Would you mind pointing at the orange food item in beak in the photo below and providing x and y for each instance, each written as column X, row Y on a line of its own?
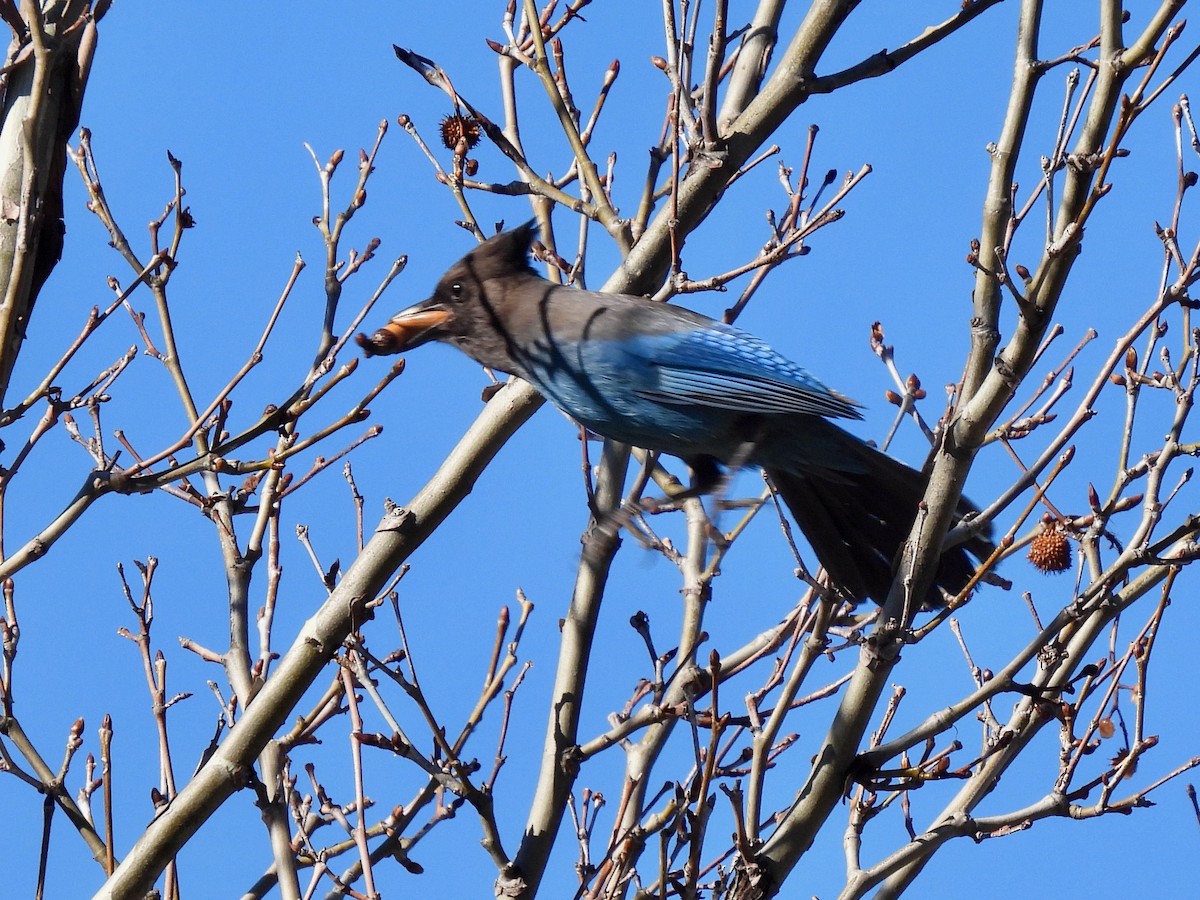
column 406, row 327
column 404, row 331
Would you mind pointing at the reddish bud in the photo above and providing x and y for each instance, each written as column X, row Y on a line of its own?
column 1127, row 503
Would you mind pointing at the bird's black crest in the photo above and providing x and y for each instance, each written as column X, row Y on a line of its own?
column 520, row 239
column 505, row 253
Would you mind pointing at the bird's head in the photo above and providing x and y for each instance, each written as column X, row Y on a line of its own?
column 458, row 298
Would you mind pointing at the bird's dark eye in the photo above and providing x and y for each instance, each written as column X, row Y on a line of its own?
column 456, row 291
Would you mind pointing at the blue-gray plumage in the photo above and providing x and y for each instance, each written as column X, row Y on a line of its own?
column 662, row 377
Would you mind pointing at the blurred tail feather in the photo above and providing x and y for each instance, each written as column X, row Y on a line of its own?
column 858, row 518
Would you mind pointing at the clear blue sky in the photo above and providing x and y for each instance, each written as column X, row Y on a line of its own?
column 234, row 93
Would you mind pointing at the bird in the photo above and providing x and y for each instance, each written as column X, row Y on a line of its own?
column 664, row 378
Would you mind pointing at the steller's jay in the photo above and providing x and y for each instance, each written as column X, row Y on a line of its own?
column 665, row 378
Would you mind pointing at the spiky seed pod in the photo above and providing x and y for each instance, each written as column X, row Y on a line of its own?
column 457, row 127
column 1050, row 551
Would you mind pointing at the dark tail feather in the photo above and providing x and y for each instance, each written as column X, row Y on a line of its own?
column 856, row 522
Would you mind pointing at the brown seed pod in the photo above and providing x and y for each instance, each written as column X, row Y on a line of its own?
column 1050, row 551
column 458, row 127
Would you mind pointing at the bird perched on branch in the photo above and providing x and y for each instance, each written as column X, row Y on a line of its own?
column 664, row 378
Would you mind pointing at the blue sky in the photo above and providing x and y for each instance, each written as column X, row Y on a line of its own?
column 235, row 95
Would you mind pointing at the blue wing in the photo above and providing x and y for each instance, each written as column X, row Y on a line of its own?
column 724, row 367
